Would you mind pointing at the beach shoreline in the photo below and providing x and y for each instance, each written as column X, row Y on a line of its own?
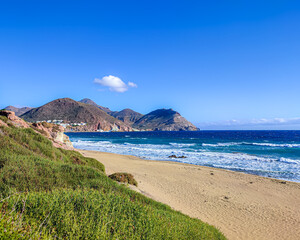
column 241, row 205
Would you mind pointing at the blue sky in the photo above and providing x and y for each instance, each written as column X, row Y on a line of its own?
column 221, row 64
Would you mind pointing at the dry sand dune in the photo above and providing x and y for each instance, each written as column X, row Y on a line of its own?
column 242, row 206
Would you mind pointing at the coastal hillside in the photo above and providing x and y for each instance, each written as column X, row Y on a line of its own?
column 86, row 115
column 18, row 111
column 164, row 120
column 91, row 102
column 55, row 193
column 158, row 120
column 127, row 116
column 76, row 116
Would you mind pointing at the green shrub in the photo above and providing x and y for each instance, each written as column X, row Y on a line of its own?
column 123, row 178
column 46, row 124
column 3, row 118
column 12, row 226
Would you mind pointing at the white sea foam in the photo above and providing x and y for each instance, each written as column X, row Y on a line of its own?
column 182, row 144
column 278, row 145
column 228, row 144
column 235, row 161
column 288, row 160
column 138, row 138
column 220, row 144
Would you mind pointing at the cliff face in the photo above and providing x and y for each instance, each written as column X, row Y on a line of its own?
column 13, row 119
column 76, row 112
column 52, row 131
column 127, row 116
column 18, row 111
column 164, row 120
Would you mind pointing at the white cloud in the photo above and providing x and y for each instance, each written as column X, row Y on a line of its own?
column 131, row 84
column 114, row 84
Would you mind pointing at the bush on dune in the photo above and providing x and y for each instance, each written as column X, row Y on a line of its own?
column 123, row 178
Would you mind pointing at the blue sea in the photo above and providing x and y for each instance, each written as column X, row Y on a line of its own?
column 273, row 154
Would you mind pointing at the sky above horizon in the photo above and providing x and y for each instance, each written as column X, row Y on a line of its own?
column 221, row 64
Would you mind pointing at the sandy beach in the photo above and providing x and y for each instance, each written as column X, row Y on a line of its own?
column 242, row 206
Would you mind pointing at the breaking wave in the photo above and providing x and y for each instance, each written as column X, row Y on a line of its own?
column 271, row 166
column 228, row 144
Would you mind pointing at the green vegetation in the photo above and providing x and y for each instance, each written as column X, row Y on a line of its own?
column 51, row 193
column 123, row 178
column 4, row 119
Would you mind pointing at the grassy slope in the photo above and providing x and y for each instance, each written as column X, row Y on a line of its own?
column 52, row 193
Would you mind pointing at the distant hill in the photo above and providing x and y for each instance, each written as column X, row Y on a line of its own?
column 127, row 116
column 91, row 102
column 87, row 115
column 72, row 111
column 164, row 120
column 18, row 111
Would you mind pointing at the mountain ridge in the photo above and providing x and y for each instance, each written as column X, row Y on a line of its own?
column 127, row 115
column 71, row 111
column 91, row 102
column 18, row 111
column 164, row 120
column 86, row 115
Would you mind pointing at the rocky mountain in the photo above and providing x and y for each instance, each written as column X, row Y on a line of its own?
column 18, row 111
column 79, row 116
column 164, row 120
column 127, row 116
column 91, row 102
column 86, row 115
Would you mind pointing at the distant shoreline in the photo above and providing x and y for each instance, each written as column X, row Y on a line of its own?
column 241, row 205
